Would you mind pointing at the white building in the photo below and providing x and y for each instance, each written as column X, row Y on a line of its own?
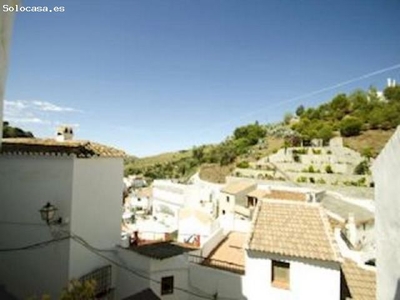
column 291, row 253
column 195, row 226
column 162, row 267
column 387, row 197
column 83, row 180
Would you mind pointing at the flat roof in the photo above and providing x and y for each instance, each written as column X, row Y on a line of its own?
column 229, row 254
column 342, row 208
column 237, row 187
column 162, row 250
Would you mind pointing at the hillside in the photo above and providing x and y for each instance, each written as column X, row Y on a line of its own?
column 363, row 118
column 373, row 139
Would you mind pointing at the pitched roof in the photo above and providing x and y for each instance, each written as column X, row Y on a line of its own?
column 286, row 195
column 360, row 282
column 81, row 149
column 293, row 229
column 237, row 187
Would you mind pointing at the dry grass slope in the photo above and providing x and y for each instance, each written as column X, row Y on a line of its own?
column 376, row 139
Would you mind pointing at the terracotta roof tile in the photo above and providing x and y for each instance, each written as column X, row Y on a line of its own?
column 361, row 282
column 293, row 229
column 258, row 193
column 82, row 149
column 286, row 195
column 237, row 187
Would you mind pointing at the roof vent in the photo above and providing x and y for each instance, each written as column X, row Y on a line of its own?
column 64, row 133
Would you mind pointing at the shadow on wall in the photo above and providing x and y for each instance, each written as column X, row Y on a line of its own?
column 397, row 294
column 4, row 295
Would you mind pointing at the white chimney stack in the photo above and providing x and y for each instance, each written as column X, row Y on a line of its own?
column 351, row 229
column 64, row 133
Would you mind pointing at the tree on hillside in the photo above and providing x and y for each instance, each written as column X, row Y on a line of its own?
column 350, row 126
column 392, row 93
column 300, row 110
column 251, row 133
column 14, row 132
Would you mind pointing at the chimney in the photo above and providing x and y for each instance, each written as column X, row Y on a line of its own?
column 351, row 229
column 64, row 133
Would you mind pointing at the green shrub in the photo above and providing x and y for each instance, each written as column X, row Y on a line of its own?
column 311, row 169
column 328, row 169
column 243, row 164
column 350, row 126
column 316, row 151
column 321, row 181
column 362, row 168
column 302, row 179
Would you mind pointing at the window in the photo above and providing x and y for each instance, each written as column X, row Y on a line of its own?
column 280, row 276
column 167, row 285
column 227, row 198
column 223, row 211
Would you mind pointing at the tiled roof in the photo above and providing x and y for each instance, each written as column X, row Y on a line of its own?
column 257, row 193
column 360, row 282
column 145, row 192
column 237, row 187
column 286, row 195
column 81, row 149
column 293, row 229
column 230, row 253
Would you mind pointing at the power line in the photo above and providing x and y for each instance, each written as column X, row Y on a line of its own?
column 35, row 245
column 136, row 273
column 304, row 96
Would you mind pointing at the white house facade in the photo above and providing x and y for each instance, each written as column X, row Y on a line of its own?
column 83, row 181
column 291, row 253
column 387, row 196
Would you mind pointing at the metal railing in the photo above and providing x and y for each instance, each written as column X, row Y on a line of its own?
column 216, row 263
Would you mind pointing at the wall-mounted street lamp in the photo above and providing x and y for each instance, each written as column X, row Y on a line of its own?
column 48, row 213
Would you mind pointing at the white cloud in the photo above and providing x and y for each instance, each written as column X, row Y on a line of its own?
column 47, row 106
column 34, row 112
column 27, row 121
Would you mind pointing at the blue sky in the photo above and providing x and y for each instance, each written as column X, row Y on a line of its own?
column 153, row 76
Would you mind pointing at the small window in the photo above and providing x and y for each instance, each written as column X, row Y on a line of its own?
column 280, row 277
column 223, row 211
column 138, row 199
column 167, row 285
column 227, row 198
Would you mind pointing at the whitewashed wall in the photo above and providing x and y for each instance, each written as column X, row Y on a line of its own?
column 308, row 279
column 387, row 197
column 130, row 284
column 26, row 184
column 210, row 281
column 96, row 210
